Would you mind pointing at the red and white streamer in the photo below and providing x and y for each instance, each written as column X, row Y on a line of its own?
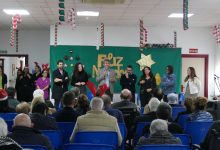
column 55, row 34
column 71, row 18
column 145, row 36
column 141, row 33
column 102, row 35
column 216, row 33
column 15, row 21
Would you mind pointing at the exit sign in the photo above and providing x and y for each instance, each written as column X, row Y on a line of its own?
column 193, row 50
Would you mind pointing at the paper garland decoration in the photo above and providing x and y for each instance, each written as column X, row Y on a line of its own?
column 97, row 39
column 16, row 46
column 71, row 17
column 102, row 35
column 145, row 36
column 55, row 34
column 14, row 26
column 175, row 39
column 61, row 11
column 185, row 15
column 216, row 33
column 141, row 33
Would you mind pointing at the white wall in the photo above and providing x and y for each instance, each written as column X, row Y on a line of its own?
column 35, row 43
column 200, row 38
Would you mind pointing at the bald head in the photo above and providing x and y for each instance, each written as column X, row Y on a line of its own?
column 22, row 120
column 126, row 94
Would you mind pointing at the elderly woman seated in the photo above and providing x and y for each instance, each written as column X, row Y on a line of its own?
column 159, row 134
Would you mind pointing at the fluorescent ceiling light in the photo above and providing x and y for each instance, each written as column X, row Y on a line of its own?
column 16, row 11
column 87, row 13
column 178, row 15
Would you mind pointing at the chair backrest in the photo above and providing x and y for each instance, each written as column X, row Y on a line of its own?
column 142, row 110
column 33, row 147
column 164, row 147
column 8, row 116
column 55, row 137
column 214, row 141
column 123, row 131
column 9, row 124
column 85, row 146
column 66, row 129
column 139, row 130
column 182, row 120
column 176, row 110
column 197, row 130
column 185, row 138
column 97, row 137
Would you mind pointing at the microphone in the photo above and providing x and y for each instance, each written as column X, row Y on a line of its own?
column 216, row 76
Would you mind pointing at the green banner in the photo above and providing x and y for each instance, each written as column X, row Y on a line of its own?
column 120, row 57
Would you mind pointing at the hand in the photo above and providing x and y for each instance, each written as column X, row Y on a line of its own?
column 28, row 75
column 78, row 83
column 149, row 90
column 126, row 75
column 57, row 80
column 142, row 82
column 83, row 83
column 21, row 77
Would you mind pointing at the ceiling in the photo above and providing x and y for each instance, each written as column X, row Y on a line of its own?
column 44, row 13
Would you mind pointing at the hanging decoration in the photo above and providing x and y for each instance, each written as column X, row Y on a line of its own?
column 145, row 36
column 97, row 38
column 61, row 11
column 102, row 34
column 185, row 15
column 16, row 46
column 15, row 21
column 175, row 39
column 216, row 33
column 55, row 34
column 141, row 34
column 71, row 18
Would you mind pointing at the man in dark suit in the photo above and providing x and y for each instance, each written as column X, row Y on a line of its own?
column 128, row 81
column 60, row 85
column 67, row 114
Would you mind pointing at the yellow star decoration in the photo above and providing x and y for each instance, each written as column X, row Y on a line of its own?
column 145, row 61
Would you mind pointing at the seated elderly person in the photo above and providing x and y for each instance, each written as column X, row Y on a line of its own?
column 173, row 100
column 200, row 113
column 23, row 107
column 4, row 104
column 159, row 134
column 7, row 143
column 24, row 133
column 96, row 120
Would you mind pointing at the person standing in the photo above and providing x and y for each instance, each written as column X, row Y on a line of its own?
column 147, row 84
column 128, row 81
column 60, row 85
column 192, row 84
column 168, row 83
column 3, row 79
column 107, row 76
column 18, row 84
column 43, row 83
column 37, row 72
column 79, row 78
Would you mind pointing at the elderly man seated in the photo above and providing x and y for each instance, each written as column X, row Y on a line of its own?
column 96, row 120
column 159, row 134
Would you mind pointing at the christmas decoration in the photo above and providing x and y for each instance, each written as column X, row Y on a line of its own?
column 16, row 46
column 61, row 11
column 66, row 57
column 185, row 15
column 15, row 21
column 71, row 51
column 65, row 65
column 216, row 33
column 97, row 39
column 175, row 39
column 145, row 36
column 145, row 61
column 55, row 34
column 102, row 34
column 141, row 34
column 77, row 58
column 71, row 58
column 71, row 18
column 46, row 67
column 168, row 45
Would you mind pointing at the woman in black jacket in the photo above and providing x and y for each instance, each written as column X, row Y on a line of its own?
column 3, row 79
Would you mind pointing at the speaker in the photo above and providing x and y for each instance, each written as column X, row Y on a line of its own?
column 213, row 107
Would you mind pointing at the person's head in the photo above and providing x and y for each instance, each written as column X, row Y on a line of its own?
column 83, row 101
column 38, row 93
column 78, row 68
column 60, row 64
column 23, row 120
column 68, row 99
column 40, row 108
column 158, row 93
column 191, row 72
column 38, row 99
column 75, row 91
column 45, row 73
column 26, row 70
column 153, row 104
column 200, row 103
column 23, row 107
column 126, row 95
column 189, row 104
column 37, row 69
column 147, row 72
column 107, row 101
column 169, row 69
column 164, row 111
column 96, row 104
column 3, row 100
column 106, row 63
column 3, row 128
column 129, row 69
column 158, row 125
column 172, row 98
column 11, row 92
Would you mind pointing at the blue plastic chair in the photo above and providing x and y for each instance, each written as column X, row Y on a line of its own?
column 8, row 116
column 123, row 131
column 197, row 130
column 164, row 147
column 139, row 130
column 9, row 124
column 185, row 138
column 176, row 111
column 66, row 129
column 85, row 146
column 97, row 137
column 34, row 147
column 182, row 120
column 55, row 137
column 142, row 110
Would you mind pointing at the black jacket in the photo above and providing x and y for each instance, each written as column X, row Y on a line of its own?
column 29, row 136
column 128, row 83
column 4, row 80
column 59, row 87
column 67, row 114
column 7, row 143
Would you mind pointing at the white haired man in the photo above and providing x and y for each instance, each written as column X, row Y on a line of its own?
column 96, row 120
